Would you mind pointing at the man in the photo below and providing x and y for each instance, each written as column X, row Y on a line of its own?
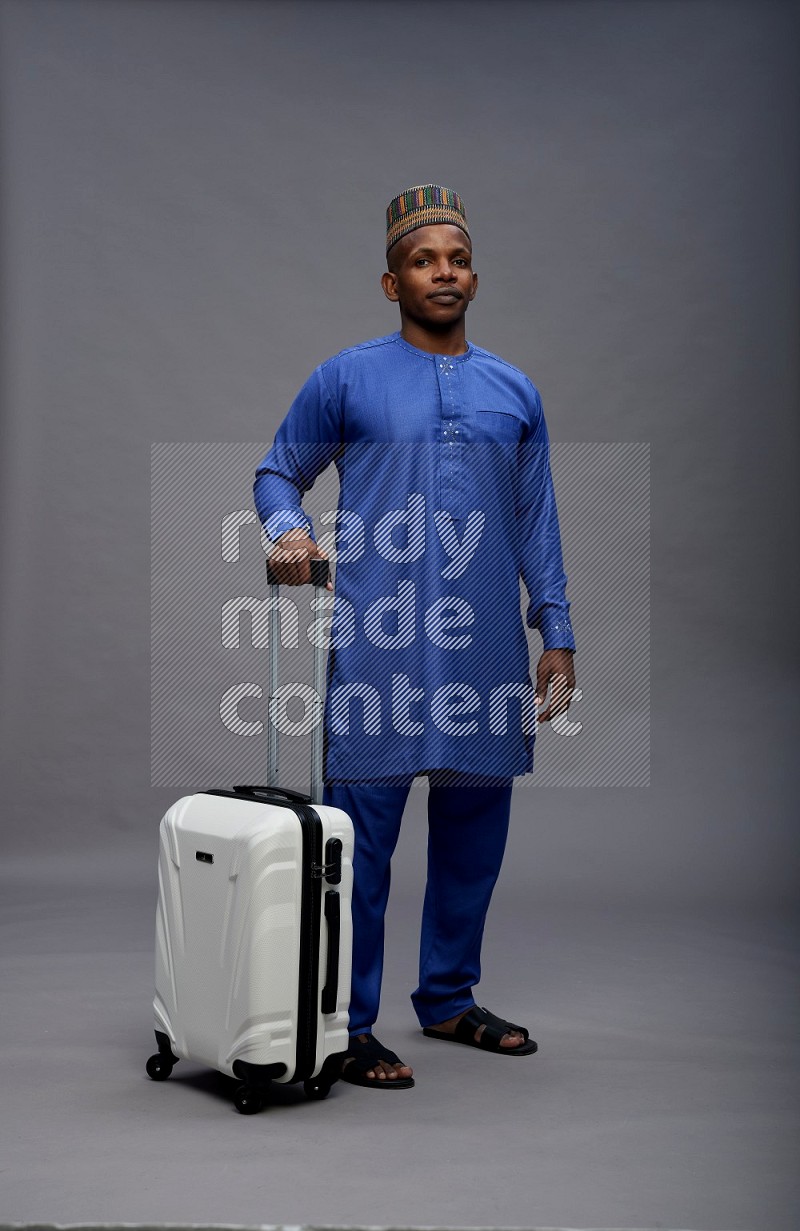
column 446, row 499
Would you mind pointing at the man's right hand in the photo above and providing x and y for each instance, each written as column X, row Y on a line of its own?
column 290, row 557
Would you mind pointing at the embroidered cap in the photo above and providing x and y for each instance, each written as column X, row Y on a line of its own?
column 422, row 207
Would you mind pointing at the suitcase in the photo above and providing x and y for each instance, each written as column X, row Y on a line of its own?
column 253, row 926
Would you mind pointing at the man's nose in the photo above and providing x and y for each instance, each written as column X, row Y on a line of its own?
column 444, row 272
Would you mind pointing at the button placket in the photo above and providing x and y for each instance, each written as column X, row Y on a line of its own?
column 450, row 433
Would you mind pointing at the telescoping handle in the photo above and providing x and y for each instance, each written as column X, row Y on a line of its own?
column 320, row 571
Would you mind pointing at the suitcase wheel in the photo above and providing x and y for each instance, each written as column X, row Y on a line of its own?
column 316, row 1088
column 159, row 1067
column 248, row 1101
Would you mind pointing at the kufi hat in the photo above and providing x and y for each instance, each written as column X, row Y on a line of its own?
column 423, row 206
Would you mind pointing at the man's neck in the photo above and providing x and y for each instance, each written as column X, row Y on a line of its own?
column 448, row 342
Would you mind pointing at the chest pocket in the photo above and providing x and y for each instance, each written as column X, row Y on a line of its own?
column 499, row 425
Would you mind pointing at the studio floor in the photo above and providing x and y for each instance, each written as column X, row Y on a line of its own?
column 663, row 1095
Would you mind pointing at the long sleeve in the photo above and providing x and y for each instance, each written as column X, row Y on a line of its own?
column 306, row 442
column 541, row 563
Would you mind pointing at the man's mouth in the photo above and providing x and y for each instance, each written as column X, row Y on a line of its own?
column 452, row 294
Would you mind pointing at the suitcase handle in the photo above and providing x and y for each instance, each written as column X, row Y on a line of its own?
column 273, row 792
column 320, row 571
column 330, row 992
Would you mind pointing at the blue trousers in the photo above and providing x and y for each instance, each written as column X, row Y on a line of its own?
column 467, row 831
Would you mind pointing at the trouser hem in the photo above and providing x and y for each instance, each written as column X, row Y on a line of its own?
column 432, row 1015
column 353, row 1031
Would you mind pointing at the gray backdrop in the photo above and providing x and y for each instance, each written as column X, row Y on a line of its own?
column 192, row 219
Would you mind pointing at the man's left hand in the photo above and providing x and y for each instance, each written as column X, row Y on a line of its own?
column 555, row 668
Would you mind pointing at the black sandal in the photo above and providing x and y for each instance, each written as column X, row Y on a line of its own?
column 495, row 1029
column 361, row 1057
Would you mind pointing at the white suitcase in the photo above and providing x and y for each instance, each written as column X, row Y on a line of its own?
column 253, row 930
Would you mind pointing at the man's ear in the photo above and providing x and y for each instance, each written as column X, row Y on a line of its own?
column 474, row 287
column 389, row 284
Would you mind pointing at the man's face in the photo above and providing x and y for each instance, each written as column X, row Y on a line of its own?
column 430, row 276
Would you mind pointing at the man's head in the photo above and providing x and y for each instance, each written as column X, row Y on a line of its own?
column 429, row 257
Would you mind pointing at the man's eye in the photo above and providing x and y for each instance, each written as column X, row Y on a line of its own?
column 422, row 260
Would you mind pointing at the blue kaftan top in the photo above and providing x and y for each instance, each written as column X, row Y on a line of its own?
column 446, row 499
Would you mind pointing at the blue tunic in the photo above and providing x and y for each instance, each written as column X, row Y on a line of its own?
column 446, row 499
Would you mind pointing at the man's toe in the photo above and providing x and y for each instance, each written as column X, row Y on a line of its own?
column 512, row 1040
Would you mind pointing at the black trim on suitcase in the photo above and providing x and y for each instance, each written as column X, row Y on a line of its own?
column 310, row 912
column 330, row 992
column 257, row 1075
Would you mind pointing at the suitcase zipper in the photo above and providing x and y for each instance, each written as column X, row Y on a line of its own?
column 310, row 922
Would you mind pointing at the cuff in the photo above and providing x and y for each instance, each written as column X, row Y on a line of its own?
column 286, row 519
column 557, row 634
